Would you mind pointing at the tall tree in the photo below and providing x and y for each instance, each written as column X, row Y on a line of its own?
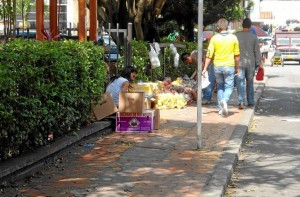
column 144, row 14
column 141, row 13
column 23, row 8
column 7, row 14
column 185, row 13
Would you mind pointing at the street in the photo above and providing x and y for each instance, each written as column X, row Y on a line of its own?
column 269, row 161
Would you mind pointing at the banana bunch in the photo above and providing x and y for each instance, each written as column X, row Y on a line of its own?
column 178, row 82
column 171, row 101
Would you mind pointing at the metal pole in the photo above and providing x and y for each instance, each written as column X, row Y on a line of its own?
column 15, row 17
column 4, row 22
column 199, row 92
column 125, row 48
column 23, row 22
column 129, row 40
column 118, row 42
column 109, row 45
column 164, row 66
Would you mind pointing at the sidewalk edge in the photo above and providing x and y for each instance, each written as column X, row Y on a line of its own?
column 217, row 184
column 23, row 165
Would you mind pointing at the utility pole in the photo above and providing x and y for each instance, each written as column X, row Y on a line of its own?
column 199, row 81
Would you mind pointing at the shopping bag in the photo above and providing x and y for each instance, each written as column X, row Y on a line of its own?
column 260, row 74
column 205, row 80
column 154, row 58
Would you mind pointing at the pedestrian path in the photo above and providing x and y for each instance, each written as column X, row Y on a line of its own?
column 165, row 162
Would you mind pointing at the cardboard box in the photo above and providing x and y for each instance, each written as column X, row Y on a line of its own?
column 135, row 122
column 105, row 108
column 150, row 103
column 148, row 88
column 132, row 102
column 156, row 119
column 147, row 103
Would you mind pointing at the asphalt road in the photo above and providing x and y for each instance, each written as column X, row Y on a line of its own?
column 269, row 164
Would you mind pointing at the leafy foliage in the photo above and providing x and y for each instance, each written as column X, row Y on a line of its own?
column 46, row 87
column 182, row 68
column 140, row 59
column 185, row 13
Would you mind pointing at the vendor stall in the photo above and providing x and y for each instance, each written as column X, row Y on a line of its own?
column 168, row 94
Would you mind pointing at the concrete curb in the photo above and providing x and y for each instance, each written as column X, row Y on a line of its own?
column 217, row 184
column 21, row 166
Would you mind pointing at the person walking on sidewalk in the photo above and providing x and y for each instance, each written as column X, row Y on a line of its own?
column 192, row 58
column 224, row 49
column 250, row 57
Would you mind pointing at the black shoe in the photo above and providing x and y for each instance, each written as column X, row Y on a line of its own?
column 241, row 106
column 205, row 102
column 250, row 105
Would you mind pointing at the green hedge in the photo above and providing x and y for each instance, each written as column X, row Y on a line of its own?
column 46, row 87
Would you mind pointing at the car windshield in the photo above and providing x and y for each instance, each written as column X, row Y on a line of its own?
column 295, row 41
column 282, row 41
column 277, row 53
column 106, row 40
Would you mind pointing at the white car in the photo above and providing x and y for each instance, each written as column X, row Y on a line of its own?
column 268, row 39
column 264, row 47
column 111, row 49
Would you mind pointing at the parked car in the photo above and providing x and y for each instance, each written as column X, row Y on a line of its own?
column 268, row 39
column 288, row 43
column 277, row 59
column 111, row 49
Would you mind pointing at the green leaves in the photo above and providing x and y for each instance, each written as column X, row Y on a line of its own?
column 46, row 87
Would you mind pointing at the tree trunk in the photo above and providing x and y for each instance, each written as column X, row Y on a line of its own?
column 138, row 19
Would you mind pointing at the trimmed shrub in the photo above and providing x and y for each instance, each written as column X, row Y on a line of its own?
column 46, row 87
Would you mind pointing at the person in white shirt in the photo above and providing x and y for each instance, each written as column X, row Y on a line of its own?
column 121, row 83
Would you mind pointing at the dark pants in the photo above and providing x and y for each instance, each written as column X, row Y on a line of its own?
column 265, row 55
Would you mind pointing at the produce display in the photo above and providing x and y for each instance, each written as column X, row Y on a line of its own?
column 170, row 94
column 171, row 101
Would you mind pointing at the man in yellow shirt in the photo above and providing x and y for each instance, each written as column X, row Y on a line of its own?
column 223, row 48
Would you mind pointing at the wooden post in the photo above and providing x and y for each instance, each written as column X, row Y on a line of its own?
column 39, row 19
column 53, row 18
column 81, row 21
column 93, row 20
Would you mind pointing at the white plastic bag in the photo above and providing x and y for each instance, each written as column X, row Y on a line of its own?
column 153, row 58
column 176, row 60
column 205, row 80
column 173, row 49
column 157, row 48
column 176, row 55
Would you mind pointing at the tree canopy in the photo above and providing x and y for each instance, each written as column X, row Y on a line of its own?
column 151, row 19
column 185, row 13
column 148, row 16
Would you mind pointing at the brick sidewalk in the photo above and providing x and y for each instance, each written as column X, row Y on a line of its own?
column 162, row 163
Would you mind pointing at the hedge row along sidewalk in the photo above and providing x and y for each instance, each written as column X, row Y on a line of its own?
column 46, row 88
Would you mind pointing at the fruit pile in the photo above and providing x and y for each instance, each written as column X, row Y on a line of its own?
column 175, row 94
column 170, row 101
